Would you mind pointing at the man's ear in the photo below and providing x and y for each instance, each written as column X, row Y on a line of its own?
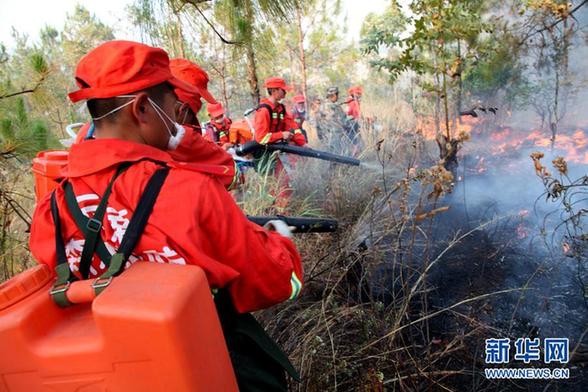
column 142, row 108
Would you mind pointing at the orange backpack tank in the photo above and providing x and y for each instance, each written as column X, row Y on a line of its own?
column 155, row 328
column 47, row 168
column 240, row 133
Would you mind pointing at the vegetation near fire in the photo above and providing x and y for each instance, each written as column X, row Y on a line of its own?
column 466, row 219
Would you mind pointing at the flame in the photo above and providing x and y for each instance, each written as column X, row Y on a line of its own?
column 574, row 146
column 426, row 126
column 504, row 139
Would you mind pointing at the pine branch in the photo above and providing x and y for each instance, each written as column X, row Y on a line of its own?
column 27, row 91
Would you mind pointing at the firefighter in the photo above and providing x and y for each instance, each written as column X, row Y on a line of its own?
column 353, row 118
column 353, row 103
column 194, row 147
column 298, row 113
column 332, row 122
column 217, row 129
column 273, row 124
column 129, row 91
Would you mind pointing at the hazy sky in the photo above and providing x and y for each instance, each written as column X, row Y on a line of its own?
column 29, row 16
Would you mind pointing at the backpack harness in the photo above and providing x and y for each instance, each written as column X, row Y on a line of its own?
column 91, row 227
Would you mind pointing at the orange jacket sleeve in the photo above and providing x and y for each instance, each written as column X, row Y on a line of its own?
column 269, row 266
column 261, row 124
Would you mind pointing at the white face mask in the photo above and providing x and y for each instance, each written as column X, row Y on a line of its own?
column 174, row 140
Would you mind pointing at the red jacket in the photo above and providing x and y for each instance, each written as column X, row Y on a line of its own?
column 353, row 109
column 269, row 127
column 194, row 221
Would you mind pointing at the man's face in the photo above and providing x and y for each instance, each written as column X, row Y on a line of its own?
column 184, row 114
column 300, row 106
column 281, row 94
column 218, row 119
column 334, row 98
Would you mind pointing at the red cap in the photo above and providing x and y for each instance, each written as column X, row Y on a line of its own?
column 192, row 74
column 298, row 99
column 193, row 100
column 215, row 109
column 122, row 67
column 276, row 82
column 355, row 90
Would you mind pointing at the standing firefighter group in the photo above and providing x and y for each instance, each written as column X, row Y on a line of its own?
column 144, row 109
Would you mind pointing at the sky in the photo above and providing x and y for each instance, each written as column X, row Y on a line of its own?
column 29, row 16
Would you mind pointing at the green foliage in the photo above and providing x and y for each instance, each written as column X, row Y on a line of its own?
column 437, row 26
column 39, row 64
column 494, row 70
column 21, row 135
column 82, row 31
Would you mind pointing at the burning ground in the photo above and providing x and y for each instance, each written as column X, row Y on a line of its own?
column 428, row 264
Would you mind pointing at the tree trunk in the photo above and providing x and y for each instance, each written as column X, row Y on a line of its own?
column 180, row 37
column 223, row 76
column 445, row 102
column 302, row 55
column 460, row 82
column 251, row 63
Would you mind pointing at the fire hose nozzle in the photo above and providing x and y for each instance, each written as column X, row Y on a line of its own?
column 300, row 224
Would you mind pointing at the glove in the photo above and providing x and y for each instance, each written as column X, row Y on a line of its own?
column 279, row 227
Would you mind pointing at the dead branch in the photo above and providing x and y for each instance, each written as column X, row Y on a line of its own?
column 218, row 34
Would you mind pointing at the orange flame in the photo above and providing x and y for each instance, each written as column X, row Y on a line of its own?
column 502, row 140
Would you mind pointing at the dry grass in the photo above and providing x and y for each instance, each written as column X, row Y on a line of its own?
column 16, row 206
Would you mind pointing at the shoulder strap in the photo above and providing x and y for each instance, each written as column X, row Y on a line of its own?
column 128, row 243
column 143, row 211
column 91, row 227
column 82, row 221
column 64, row 275
column 266, row 106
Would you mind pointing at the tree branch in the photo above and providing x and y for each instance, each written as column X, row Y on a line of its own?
column 571, row 14
column 223, row 39
column 27, row 91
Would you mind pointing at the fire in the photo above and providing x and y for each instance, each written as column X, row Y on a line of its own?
column 501, row 140
column 574, row 147
column 426, row 126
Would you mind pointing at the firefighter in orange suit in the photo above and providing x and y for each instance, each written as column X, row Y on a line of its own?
column 129, row 90
column 273, row 124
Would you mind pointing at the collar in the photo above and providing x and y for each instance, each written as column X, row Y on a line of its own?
column 92, row 156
